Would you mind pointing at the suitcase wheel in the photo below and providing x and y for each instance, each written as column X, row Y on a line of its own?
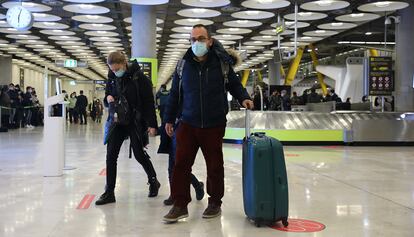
column 257, row 224
column 285, row 222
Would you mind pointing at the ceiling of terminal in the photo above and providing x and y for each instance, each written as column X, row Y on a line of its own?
column 89, row 29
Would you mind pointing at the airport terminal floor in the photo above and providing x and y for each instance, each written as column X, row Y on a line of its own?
column 353, row 191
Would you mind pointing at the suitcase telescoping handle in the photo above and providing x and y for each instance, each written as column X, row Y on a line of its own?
column 247, row 123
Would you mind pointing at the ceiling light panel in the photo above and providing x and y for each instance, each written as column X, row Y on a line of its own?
column 324, row 5
column 234, row 31
column 319, row 33
column 253, row 15
column 31, row 6
column 383, row 6
column 46, row 17
column 228, row 37
column 86, row 9
column 358, row 17
column 242, row 23
column 92, row 19
column 198, row 13
column 206, row 3
column 337, row 26
column 146, row 2
column 57, row 32
column 50, row 25
column 193, row 21
column 306, row 16
column 265, row 4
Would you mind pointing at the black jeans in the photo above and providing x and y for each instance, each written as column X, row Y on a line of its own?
column 117, row 137
column 82, row 115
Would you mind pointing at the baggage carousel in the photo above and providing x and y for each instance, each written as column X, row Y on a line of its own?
column 316, row 128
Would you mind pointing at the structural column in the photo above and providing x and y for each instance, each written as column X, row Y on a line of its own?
column 404, row 67
column 274, row 73
column 6, row 70
column 144, row 27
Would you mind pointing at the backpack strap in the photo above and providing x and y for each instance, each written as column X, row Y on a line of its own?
column 225, row 69
column 179, row 69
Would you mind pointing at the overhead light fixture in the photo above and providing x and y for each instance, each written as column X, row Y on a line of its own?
column 324, row 3
column 86, row 6
column 305, row 14
column 243, row 22
column 265, row 1
column 92, row 17
column 337, row 24
column 234, row 29
column 320, row 31
column 252, row 13
column 49, row 23
column 193, row 20
column 368, row 33
column 199, row 10
column 382, row 4
column 357, row 15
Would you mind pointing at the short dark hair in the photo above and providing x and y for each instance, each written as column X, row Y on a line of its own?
column 81, row 92
column 205, row 27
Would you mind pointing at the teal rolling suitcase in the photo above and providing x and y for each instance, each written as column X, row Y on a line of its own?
column 265, row 187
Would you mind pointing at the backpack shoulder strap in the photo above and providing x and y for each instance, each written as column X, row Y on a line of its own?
column 225, row 69
column 180, row 68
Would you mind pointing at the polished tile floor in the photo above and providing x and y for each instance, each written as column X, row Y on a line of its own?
column 354, row 191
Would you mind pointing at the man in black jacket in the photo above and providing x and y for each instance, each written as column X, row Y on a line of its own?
column 200, row 92
column 127, row 82
column 81, row 105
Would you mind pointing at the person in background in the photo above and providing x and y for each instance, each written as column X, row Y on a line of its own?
column 295, row 100
column 14, row 101
column 81, row 105
column 304, row 97
column 98, row 110
column 314, row 97
column 92, row 109
column 335, row 97
column 328, row 97
column 286, row 106
column 4, row 102
column 275, row 101
column 72, row 108
column 28, row 104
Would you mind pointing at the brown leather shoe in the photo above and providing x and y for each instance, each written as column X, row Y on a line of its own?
column 176, row 213
column 212, row 211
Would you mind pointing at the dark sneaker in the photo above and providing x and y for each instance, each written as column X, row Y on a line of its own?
column 199, row 191
column 105, row 198
column 212, row 211
column 154, row 185
column 176, row 213
column 169, row 201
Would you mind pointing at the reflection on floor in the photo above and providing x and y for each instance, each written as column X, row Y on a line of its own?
column 354, row 191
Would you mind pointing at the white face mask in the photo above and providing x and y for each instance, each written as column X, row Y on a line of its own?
column 199, row 48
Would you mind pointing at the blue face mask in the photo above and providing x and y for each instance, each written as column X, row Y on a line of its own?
column 199, row 48
column 119, row 73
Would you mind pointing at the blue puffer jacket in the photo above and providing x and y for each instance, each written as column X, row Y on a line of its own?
column 204, row 102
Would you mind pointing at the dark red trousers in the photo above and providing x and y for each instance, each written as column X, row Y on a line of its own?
column 189, row 140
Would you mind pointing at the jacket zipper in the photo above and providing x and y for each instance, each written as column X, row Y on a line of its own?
column 201, row 101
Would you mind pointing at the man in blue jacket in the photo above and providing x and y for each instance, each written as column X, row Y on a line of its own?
column 199, row 90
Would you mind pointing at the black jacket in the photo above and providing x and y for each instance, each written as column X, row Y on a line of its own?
column 81, row 102
column 204, row 101
column 138, row 92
